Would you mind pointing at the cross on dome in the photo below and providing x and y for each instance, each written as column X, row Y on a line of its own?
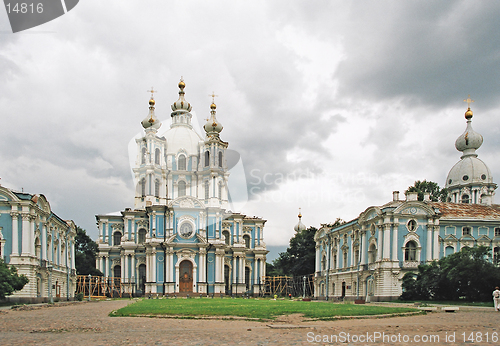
column 469, row 101
column 152, row 91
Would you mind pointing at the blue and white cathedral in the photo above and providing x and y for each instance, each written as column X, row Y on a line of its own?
column 367, row 257
column 181, row 237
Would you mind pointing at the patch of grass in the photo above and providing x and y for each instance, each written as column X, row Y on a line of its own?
column 263, row 309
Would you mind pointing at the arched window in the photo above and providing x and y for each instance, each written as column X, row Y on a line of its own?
column 143, row 187
column 181, row 188
column 157, row 188
column 143, row 156
column 220, row 159
column 207, row 158
column 465, row 199
column 497, row 232
column 207, row 189
column 37, row 248
column 323, row 263
column 157, row 156
column 449, row 250
column 117, row 238
column 141, row 236
column 334, row 261
column 181, row 163
column 372, row 254
column 246, row 238
column 346, row 264
column 411, row 251
column 227, row 237
column 466, row 231
column 117, row 271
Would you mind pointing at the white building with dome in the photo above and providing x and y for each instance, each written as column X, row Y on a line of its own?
column 181, row 237
column 366, row 258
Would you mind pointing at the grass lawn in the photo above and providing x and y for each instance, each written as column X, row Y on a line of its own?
column 263, row 309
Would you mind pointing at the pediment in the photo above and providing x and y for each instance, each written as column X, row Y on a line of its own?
column 370, row 214
column 414, row 208
column 186, row 202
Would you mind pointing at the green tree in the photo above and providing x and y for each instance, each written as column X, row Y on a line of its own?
column 437, row 193
column 299, row 259
column 468, row 274
column 85, row 252
column 10, row 281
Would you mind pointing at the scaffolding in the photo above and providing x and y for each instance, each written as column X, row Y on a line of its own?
column 101, row 287
column 297, row 286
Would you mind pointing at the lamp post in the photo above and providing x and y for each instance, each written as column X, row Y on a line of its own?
column 90, row 277
column 304, row 289
column 51, row 300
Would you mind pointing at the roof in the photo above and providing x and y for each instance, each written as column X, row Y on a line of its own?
column 467, row 211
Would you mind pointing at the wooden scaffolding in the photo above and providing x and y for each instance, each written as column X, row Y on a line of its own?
column 100, row 287
column 283, row 286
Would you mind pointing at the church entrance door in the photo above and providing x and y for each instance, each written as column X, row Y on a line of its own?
column 186, row 277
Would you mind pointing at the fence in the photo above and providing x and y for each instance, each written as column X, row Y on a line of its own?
column 100, row 286
column 297, row 286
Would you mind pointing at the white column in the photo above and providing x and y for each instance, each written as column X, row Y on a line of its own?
column 133, row 273
column 234, row 269
column 263, row 267
column 379, row 243
column 43, row 241
column 351, row 252
column 101, row 238
column 101, row 264
column 73, row 255
column 122, row 265
column 436, row 243
column 242, row 269
column 25, row 241
column 106, row 266
column 316, row 267
column 255, row 271
column 394, row 242
column 32, row 235
column 363, row 247
column 153, row 271
column 125, row 229
column 15, row 228
column 170, row 268
column 203, row 272
column 338, row 255
column 428, row 250
column 387, row 242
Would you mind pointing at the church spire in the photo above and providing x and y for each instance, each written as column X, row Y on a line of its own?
column 470, row 140
column 213, row 127
column 151, row 120
column 299, row 226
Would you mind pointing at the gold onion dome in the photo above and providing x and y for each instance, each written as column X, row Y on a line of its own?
column 151, row 120
column 299, row 226
column 181, row 104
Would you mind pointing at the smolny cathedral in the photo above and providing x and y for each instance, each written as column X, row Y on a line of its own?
column 367, row 257
column 181, row 237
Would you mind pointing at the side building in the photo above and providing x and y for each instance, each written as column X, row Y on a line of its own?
column 180, row 236
column 366, row 258
column 39, row 244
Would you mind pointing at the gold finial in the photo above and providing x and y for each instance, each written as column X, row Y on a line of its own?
column 300, row 213
column 469, row 101
column 468, row 114
column 181, row 83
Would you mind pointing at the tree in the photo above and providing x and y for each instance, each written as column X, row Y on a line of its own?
column 10, row 281
column 85, row 251
column 299, row 259
column 437, row 194
column 468, row 274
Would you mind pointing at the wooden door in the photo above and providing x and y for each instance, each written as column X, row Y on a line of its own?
column 186, row 277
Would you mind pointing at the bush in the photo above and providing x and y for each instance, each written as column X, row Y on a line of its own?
column 79, row 296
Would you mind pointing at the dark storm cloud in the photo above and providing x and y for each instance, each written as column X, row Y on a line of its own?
column 426, row 52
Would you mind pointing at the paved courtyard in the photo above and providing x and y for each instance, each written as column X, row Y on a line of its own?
column 88, row 324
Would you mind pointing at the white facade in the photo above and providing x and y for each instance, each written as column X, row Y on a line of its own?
column 180, row 236
column 366, row 258
column 39, row 244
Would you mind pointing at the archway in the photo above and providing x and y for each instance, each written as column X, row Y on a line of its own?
column 142, row 278
column 227, row 278
column 186, row 277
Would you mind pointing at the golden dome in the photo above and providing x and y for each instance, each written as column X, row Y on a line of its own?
column 468, row 114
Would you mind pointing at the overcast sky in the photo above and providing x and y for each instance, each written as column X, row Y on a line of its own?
column 331, row 104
